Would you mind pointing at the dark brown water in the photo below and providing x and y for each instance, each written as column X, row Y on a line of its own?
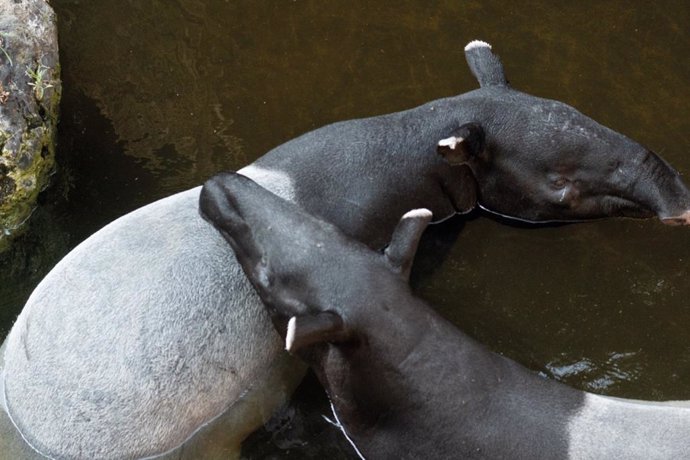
column 159, row 95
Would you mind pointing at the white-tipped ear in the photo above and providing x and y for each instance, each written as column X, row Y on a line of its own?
column 403, row 246
column 420, row 214
column 290, row 336
column 306, row 330
column 477, row 44
column 466, row 142
column 450, row 142
column 484, row 64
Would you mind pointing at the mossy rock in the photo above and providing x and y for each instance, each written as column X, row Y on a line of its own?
column 29, row 99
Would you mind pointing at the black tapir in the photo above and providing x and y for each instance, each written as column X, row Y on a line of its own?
column 403, row 382
column 148, row 330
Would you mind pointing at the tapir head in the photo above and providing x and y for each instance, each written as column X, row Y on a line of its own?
column 314, row 280
column 541, row 160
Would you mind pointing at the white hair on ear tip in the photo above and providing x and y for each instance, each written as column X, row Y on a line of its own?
column 290, row 336
column 450, row 142
column 477, row 44
column 417, row 214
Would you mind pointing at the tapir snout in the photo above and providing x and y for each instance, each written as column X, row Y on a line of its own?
column 683, row 219
column 541, row 160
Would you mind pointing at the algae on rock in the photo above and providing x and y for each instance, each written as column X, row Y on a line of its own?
column 30, row 92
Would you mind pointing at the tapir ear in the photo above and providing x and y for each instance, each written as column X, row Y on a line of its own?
column 403, row 246
column 484, row 64
column 306, row 330
column 464, row 143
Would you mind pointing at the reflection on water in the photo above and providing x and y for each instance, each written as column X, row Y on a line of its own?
column 618, row 367
column 161, row 94
column 576, row 294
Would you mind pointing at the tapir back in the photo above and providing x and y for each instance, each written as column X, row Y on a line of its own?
column 137, row 350
column 363, row 174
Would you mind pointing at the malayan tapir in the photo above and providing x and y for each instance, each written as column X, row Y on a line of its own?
column 403, row 382
column 148, row 331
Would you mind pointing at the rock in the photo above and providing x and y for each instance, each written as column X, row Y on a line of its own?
column 29, row 98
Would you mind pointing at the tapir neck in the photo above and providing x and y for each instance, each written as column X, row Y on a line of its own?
column 362, row 175
column 415, row 374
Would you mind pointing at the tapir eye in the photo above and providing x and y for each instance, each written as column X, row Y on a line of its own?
column 560, row 182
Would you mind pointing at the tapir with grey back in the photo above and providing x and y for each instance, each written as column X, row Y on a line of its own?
column 148, row 330
column 403, row 382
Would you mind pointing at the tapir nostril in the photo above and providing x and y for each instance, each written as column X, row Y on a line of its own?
column 682, row 219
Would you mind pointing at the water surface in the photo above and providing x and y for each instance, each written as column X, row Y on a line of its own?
column 159, row 95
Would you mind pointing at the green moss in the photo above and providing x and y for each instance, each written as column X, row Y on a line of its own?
column 28, row 160
column 37, row 145
column 4, row 136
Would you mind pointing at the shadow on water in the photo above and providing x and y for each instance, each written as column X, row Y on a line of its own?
column 160, row 95
column 94, row 184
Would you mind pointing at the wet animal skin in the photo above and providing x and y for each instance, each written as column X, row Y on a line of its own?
column 403, row 382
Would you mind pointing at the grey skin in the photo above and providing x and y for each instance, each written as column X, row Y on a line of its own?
column 403, row 382
column 148, row 330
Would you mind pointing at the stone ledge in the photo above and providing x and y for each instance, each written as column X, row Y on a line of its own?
column 30, row 92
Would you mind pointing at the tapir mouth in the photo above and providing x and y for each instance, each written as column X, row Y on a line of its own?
column 682, row 219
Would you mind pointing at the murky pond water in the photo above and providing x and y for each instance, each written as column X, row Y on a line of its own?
column 159, row 95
